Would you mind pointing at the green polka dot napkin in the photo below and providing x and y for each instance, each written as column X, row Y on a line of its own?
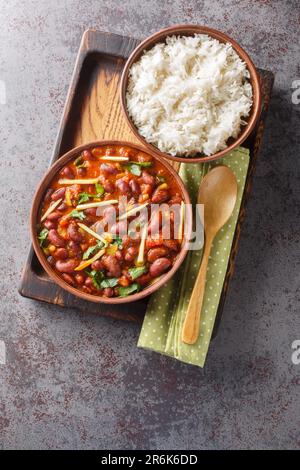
column 161, row 329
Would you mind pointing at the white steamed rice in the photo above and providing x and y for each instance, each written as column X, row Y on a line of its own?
column 189, row 95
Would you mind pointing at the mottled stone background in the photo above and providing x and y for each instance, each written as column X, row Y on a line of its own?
column 78, row 381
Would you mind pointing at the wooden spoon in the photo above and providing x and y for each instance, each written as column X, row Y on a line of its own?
column 218, row 193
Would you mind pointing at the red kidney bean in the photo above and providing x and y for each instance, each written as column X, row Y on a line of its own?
column 48, row 195
column 154, row 242
column 61, row 253
column 147, row 178
column 49, row 224
column 74, row 190
column 120, row 228
column 58, row 194
column 110, row 214
column 97, row 152
column 67, row 172
column 123, row 152
column 55, row 238
column 131, row 253
column 155, row 253
column 126, row 241
column 91, row 211
column 97, row 265
column 108, row 169
column 176, row 199
column 84, row 246
column 68, row 278
column 74, row 247
column 116, row 291
column 91, row 189
column 134, row 186
column 119, row 255
column 159, row 266
column 54, row 216
column 122, row 186
column 87, row 155
column 144, row 279
column 99, row 227
column 109, row 151
column 171, row 244
column 143, row 157
column 112, row 266
column 73, row 233
column 86, row 289
column 108, row 292
column 108, row 186
column 127, row 152
column 51, row 261
column 62, row 207
column 81, row 171
column 79, row 278
column 89, row 220
column 147, row 189
column 66, row 266
column 160, row 195
column 88, row 282
column 155, row 223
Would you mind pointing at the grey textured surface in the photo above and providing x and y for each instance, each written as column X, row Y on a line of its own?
column 78, row 381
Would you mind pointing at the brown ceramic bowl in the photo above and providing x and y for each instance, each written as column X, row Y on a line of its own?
column 46, row 181
column 190, row 30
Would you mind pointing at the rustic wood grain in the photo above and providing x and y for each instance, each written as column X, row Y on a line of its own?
column 92, row 112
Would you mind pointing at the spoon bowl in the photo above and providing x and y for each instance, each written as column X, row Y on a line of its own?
column 218, row 193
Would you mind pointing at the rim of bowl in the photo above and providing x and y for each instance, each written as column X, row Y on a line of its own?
column 189, row 29
column 37, row 199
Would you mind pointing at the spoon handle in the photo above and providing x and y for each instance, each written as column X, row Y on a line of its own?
column 191, row 325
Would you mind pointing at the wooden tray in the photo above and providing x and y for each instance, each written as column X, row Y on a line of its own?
column 92, row 112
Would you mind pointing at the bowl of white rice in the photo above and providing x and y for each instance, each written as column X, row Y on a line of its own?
column 190, row 93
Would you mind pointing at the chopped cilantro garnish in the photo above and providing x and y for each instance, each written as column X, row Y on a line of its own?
column 99, row 190
column 96, row 277
column 137, row 272
column 83, row 197
column 109, row 282
column 134, row 169
column 117, row 241
column 79, row 162
column 76, row 214
column 43, row 236
column 92, row 249
column 124, row 291
column 144, row 164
